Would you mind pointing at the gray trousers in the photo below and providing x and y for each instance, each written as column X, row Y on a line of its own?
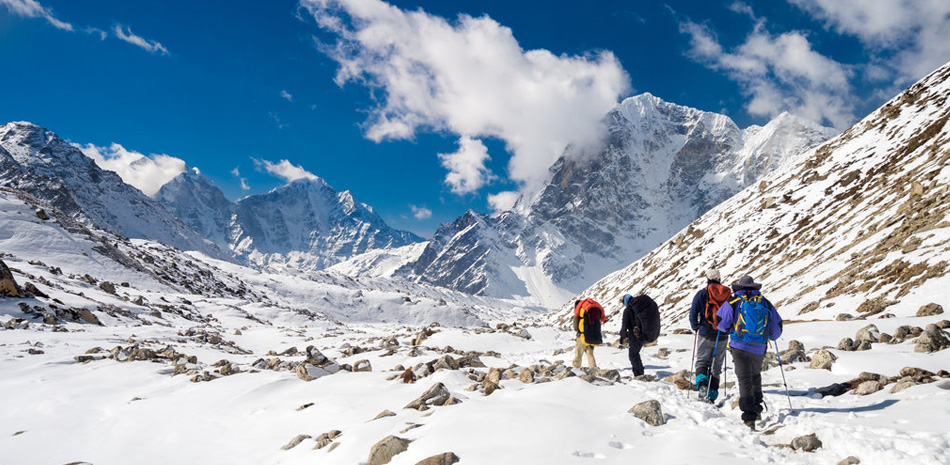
column 708, row 353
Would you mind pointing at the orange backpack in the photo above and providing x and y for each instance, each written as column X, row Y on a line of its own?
column 718, row 295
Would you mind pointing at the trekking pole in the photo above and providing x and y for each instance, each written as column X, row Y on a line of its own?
column 692, row 363
column 725, row 380
column 712, row 364
column 782, row 369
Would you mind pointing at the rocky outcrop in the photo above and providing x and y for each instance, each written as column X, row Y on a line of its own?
column 650, row 412
column 384, row 451
column 8, row 285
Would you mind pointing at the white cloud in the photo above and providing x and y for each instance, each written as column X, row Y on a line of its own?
column 910, row 37
column 96, row 31
column 33, row 9
column 779, row 73
column 147, row 173
column 503, row 201
column 286, row 95
column 125, row 34
column 467, row 171
column 285, row 170
column 236, row 172
column 471, row 78
column 421, row 213
column 244, row 185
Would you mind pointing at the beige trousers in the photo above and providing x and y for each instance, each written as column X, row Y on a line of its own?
column 579, row 350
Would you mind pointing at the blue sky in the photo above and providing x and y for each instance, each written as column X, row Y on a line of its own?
column 423, row 109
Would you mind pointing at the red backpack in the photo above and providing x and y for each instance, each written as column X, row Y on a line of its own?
column 592, row 315
column 718, row 295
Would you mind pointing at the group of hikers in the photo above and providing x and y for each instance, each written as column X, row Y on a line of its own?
column 738, row 316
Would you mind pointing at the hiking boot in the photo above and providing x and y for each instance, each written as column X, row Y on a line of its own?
column 713, row 395
column 701, row 382
column 750, row 424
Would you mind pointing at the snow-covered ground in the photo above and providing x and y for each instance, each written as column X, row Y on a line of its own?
column 102, row 410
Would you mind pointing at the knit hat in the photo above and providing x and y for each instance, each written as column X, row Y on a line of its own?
column 746, row 283
column 712, row 274
column 626, row 299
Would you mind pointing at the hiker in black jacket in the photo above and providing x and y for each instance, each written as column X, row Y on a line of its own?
column 631, row 332
column 710, row 352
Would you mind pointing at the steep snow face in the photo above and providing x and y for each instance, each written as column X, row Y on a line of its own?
column 854, row 226
column 308, row 225
column 38, row 161
column 662, row 166
column 200, row 204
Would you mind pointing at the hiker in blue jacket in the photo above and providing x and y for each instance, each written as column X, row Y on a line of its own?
column 751, row 321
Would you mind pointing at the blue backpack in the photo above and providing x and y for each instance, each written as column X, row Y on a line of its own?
column 752, row 319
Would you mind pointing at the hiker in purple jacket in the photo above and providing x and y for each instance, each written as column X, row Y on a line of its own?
column 751, row 321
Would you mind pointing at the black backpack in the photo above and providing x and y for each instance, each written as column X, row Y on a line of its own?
column 648, row 317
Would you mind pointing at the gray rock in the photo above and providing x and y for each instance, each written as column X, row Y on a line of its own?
column 8, row 285
column 809, row 443
column 930, row 309
column 436, row 395
column 107, row 287
column 846, row 344
column 384, row 451
column 650, row 412
column 903, row 384
column 931, row 341
column 823, row 360
column 868, row 333
column 447, row 458
column 384, row 414
column 796, row 345
column 852, row 460
column 362, row 365
column 295, row 441
column 868, row 387
column 526, row 376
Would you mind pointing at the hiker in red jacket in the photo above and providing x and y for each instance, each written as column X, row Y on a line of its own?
column 588, row 316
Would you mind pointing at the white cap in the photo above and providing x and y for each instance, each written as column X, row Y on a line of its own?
column 713, row 275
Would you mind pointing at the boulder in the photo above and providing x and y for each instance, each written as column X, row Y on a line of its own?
column 309, row 372
column 902, row 384
column 931, row 341
column 86, row 315
column 851, row 460
column 809, row 443
column 930, row 309
column 795, row 345
column 362, row 365
column 8, row 285
column 295, row 441
column 384, row 414
column 868, row 387
column 384, row 451
column 436, row 395
column 32, row 289
column 846, row 344
column 680, row 379
column 823, row 360
column 447, row 458
column 526, row 376
column 650, row 412
column 107, row 287
column 868, row 333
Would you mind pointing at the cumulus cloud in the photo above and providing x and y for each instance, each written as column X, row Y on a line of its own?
column 471, row 78
column 125, row 34
column 421, row 213
column 33, row 9
column 285, row 170
column 779, row 73
column 147, row 173
column 286, row 96
column 467, row 171
column 910, row 37
column 237, row 174
column 503, row 201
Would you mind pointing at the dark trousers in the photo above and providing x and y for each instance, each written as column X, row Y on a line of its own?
column 633, row 352
column 749, row 373
column 710, row 355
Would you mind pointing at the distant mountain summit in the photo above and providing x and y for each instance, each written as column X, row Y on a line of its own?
column 304, row 225
column 36, row 160
column 846, row 230
column 661, row 167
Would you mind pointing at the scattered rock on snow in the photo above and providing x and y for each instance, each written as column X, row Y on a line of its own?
column 8, row 285
column 868, row 333
column 384, row 451
column 808, row 443
column 436, row 395
column 296, row 441
column 447, row 458
column 650, row 412
column 930, row 309
column 852, row 460
column 823, row 360
column 933, row 340
column 868, row 387
column 384, row 414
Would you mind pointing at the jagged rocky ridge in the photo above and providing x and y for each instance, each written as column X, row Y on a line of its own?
column 662, row 166
column 856, row 226
column 304, row 225
column 36, row 160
